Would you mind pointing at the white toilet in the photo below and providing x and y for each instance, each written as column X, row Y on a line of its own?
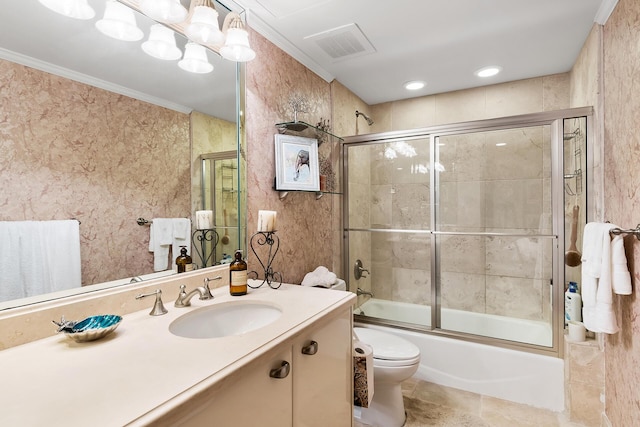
column 394, row 360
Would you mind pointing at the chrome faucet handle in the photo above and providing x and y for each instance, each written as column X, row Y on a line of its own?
column 158, row 307
column 208, row 294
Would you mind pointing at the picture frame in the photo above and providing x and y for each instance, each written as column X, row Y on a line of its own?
column 297, row 165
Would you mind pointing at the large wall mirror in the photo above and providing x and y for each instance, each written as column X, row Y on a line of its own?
column 94, row 129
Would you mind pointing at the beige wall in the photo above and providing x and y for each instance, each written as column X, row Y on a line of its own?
column 621, row 201
column 70, row 150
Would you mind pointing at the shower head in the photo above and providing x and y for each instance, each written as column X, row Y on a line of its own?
column 367, row 118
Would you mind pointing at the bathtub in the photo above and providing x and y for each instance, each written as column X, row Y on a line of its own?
column 513, row 375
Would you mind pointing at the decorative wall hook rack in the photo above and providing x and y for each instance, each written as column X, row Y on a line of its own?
column 266, row 238
column 618, row 231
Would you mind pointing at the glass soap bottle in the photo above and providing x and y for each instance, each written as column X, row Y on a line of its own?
column 184, row 261
column 238, row 275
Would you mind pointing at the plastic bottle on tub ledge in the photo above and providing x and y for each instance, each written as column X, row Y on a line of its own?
column 572, row 304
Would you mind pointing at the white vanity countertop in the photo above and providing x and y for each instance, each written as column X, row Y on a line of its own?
column 141, row 370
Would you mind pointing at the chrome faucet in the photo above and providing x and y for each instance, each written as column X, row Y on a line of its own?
column 206, row 286
column 184, row 298
column 363, row 292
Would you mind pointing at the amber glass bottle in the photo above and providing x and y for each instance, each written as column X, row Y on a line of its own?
column 238, row 275
column 184, row 261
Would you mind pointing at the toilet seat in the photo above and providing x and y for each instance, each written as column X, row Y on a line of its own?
column 388, row 349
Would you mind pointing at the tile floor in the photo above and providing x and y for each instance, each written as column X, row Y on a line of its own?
column 430, row 404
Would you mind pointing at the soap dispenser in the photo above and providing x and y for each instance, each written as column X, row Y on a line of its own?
column 184, row 261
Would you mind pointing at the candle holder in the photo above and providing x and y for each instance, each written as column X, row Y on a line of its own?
column 204, row 235
column 266, row 238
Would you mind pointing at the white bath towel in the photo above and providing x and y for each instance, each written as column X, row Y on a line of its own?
column 165, row 234
column 604, row 271
column 321, row 276
column 38, row 257
column 160, row 240
column 181, row 237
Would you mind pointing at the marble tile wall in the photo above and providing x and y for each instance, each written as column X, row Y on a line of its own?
column 621, row 48
column 70, row 150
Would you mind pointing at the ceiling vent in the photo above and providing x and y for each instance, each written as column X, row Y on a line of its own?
column 344, row 42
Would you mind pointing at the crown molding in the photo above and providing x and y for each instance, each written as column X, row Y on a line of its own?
column 604, row 11
column 89, row 80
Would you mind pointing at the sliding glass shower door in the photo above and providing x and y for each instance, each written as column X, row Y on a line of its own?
column 493, row 233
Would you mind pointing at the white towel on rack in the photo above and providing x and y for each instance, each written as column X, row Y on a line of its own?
column 38, row 257
column 160, row 240
column 165, row 233
column 181, row 237
column 604, row 271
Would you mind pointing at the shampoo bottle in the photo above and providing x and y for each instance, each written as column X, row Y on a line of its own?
column 572, row 304
column 184, row 261
column 238, row 275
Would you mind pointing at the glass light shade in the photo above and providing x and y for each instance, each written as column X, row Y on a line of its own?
column 236, row 48
column 195, row 59
column 119, row 22
column 204, row 28
column 161, row 43
column 77, row 9
column 167, row 11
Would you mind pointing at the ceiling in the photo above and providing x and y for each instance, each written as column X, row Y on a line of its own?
column 441, row 42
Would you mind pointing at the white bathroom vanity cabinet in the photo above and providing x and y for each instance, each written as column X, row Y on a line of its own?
column 144, row 375
column 315, row 389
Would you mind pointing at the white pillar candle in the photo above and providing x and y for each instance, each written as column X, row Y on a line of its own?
column 267, row 221
column 204, row 220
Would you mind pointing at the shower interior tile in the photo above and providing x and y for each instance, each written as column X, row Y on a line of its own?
column 380, row 205
column 515, row 297
column 410, row 285
column 410, row 206
column 462, row 254
column 462, row 291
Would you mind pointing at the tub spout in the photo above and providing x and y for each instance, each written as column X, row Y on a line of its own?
column 363, row 292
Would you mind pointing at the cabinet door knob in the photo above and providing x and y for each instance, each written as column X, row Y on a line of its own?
column 310, row 349
column 281, row 372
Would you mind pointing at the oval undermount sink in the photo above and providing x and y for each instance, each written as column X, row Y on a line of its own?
column 224, row 320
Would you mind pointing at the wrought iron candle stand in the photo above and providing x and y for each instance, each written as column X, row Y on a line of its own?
column 204, row 235
column 266, row 238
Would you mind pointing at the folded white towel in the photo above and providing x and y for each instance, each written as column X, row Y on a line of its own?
column 604, row 271
column 321, row 276
column 160, row 239
column 181, row 237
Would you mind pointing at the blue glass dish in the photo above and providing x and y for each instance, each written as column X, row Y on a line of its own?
column 91, row 328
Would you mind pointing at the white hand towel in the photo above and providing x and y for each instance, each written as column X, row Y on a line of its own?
column 621, row 279
column 181, row 237
column 321, row 276
column 160, row 240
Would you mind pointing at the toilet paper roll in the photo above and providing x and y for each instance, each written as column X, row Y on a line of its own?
column 362, row 374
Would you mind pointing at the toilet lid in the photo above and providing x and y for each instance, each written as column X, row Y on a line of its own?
column 387, row 346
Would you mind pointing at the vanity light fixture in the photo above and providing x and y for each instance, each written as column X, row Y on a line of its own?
column 77, row 9
column 202, row 26
column 167, row 11
column 195, row 59
column 236, row 46
column 161, row 43
column 414, row 85
column 119, row 22
column 489, row 71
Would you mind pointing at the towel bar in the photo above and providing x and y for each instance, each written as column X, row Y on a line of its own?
column 617, row 231
column 141, row 221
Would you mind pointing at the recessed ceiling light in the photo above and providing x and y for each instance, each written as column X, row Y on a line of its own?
column 488, row 71
column 414, row 85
